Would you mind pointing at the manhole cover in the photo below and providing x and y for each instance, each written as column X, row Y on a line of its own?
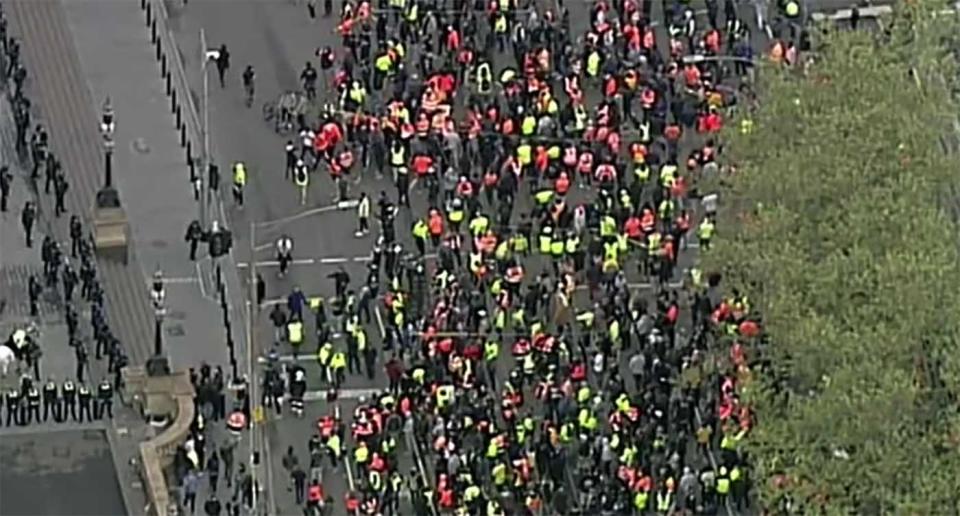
column 140, row 145
column 176, row 330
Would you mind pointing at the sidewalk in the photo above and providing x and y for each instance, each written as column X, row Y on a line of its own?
column 18, row 263
column 154, row 186
column 62, row 102
column 150, row 174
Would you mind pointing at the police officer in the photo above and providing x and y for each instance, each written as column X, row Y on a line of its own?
column 5, row 180
column 69, row 391
column 34, row 289
column 104, row 399
column 85, row 397
column 51, row 401
column 76, row 235
column 13, row 399
column 33, row 403
column 27, row 217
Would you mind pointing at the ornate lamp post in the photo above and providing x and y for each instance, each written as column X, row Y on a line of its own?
column 107, row 197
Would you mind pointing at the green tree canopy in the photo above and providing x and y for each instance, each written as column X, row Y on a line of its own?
column 837, row 224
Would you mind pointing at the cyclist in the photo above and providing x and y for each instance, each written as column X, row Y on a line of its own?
column 248, row 77
column 309, row 78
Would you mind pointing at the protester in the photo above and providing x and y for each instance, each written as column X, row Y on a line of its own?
column 562, row 185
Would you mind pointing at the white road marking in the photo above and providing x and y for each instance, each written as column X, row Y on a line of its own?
column 376, row 311
column 342, row 394
column 329, row 260
column 175, row 281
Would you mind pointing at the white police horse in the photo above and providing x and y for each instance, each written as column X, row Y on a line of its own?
column 13, row 350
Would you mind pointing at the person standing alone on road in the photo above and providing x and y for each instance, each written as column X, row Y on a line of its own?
column 239, row 181
column 248, row 76
column 363, row 215
column 223, row 63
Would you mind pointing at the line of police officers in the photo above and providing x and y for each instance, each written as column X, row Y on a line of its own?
column 23, row 403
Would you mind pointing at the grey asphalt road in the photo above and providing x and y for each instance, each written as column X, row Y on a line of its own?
column 58, row 473
column 277, row 38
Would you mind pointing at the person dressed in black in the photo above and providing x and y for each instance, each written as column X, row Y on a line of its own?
column 51, row 401
column 33, row 292
column 5, row 181
column 70, row 279
column 248, row 77
column 76, row 233
column 194, row 236
column 13, row 400
column 80, row 353
column 299, row 477
column 27, row 217
column 212, row 507
column 309, row 79
column 223, row 64
column 33, row 403
column 85, row 397
column 60, row 187
column 104, row 400
column 69, row 391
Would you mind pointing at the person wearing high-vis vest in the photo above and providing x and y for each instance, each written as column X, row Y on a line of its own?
column 239, row 182
column 382, row 66
column 705, row 232
column 557, row 248
column 723, row 485
column 338, row 367
column 420, row 234
column 545, row 239
column 444, row 396
column 295, row 334
column 529, row 125
column 362, row 454
column 324, row 357
column 593, row 64
column 664, row 499
column 484, row 78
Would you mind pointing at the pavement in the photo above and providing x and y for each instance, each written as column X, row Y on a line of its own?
column 68, row 458
column 75, row 64
column 18, row 263
column 154, row 182
column 63, row 102
column 151, row 175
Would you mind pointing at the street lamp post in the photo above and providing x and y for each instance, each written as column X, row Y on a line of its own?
column 107, row 197
column 157, row 365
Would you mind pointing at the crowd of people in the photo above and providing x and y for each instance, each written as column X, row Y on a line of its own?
column 545, row 344
column 69, row 276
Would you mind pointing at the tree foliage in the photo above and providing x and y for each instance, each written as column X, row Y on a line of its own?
column 837, row 225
